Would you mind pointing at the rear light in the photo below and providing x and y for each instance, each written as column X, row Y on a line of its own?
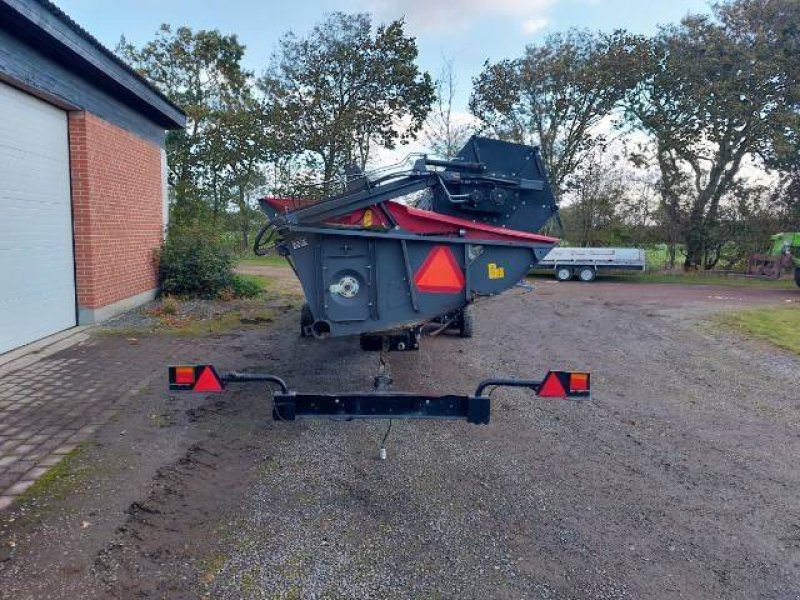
column 565, row 384
column 184, row 375
column 194, row 378
column 578, row 382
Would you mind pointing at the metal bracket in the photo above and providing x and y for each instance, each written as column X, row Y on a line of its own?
column 399, row 341
column 381, row 405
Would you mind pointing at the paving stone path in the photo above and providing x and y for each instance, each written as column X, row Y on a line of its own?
column 49, row 407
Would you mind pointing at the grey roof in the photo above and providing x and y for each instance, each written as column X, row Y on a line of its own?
column 41, row 20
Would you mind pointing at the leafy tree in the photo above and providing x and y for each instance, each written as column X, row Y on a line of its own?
column 557, row 94
column 443, row 132
column 341, row 90
column 240, row 146
column 717, row 90
column 199, row 71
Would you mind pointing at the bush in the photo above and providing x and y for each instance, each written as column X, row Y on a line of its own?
column 194, row 262
column 169, row 305
column 245, row 287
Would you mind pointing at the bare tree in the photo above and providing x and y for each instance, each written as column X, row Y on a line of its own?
column 444, row 133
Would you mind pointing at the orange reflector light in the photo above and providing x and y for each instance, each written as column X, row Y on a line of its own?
column 440, row 273
column 368, row 220
column 184, row 375
column 578, row 382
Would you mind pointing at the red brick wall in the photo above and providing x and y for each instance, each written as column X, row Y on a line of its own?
column 117, row 210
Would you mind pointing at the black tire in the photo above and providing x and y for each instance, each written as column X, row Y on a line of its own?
column 797, row 276
column 587, row 274
column 564, row 273
column 306, row 320
column 467, row 322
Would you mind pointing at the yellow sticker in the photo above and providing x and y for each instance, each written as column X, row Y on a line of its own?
column 367, row 219
column 496, row 272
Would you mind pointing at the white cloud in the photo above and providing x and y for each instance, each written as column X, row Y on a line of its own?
column 440, row 15
column 534, row 25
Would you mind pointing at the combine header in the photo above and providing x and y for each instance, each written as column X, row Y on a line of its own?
column 371, row 263
column 396, row 250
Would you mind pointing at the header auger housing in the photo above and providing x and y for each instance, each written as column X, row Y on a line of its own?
column 369, row 262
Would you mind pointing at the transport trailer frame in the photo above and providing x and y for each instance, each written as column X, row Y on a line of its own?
column 289, row 405
column 584, row 263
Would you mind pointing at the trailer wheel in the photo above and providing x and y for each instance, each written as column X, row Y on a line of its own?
column 306, row 320
column 563, row 273
column 587, row 274
column 467, row 319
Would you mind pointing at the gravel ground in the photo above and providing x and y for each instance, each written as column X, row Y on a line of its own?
column 678, row 480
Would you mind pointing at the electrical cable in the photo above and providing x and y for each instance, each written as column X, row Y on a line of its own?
column 386, row 435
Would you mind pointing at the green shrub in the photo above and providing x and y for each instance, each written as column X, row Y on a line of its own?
column 245, row 287
column 194, row 262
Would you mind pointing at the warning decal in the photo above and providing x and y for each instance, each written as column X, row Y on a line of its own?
column 496, row 272
column 440, row 273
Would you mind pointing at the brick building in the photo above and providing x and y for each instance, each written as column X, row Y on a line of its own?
column 82, row 176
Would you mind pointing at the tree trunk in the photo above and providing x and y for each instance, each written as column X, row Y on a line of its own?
column 244, row 221
column 694, row 248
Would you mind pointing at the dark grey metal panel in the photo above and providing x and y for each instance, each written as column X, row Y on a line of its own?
column 22, row 64
column 43, row 26
column 386, row 297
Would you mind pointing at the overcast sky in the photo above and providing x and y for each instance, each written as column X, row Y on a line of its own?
column 466, row 31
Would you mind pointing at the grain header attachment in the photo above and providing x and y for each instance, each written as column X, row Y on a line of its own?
column 399, row 248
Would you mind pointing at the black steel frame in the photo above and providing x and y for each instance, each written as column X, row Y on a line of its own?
column 289, row 405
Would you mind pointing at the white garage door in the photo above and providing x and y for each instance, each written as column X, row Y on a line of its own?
column 37, row 281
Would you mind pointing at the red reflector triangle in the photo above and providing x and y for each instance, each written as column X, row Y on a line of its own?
column 208, row 381
column 552, row 387
column 440, row 273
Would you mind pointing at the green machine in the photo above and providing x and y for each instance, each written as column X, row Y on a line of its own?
column 784, row 255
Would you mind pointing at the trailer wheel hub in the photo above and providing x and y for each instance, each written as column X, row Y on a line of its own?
column 347, row 287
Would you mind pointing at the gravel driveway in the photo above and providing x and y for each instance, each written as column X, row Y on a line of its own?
column 678, row 480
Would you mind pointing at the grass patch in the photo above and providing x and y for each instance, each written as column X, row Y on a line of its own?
column 780, row 326
column 265, row 282
column 272, row 260
column 249, row 579
column 701, row 279
column 211, row 566
column 161, row 420
column 62, row 479
column 711, row 279
column 685, row 279
column 59, row 481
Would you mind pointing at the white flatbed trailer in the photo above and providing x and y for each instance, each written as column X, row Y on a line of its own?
column 584, row 263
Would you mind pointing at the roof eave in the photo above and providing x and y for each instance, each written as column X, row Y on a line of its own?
column 84, row 53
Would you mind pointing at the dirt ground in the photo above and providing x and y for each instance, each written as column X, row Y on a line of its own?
column 678, row 479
